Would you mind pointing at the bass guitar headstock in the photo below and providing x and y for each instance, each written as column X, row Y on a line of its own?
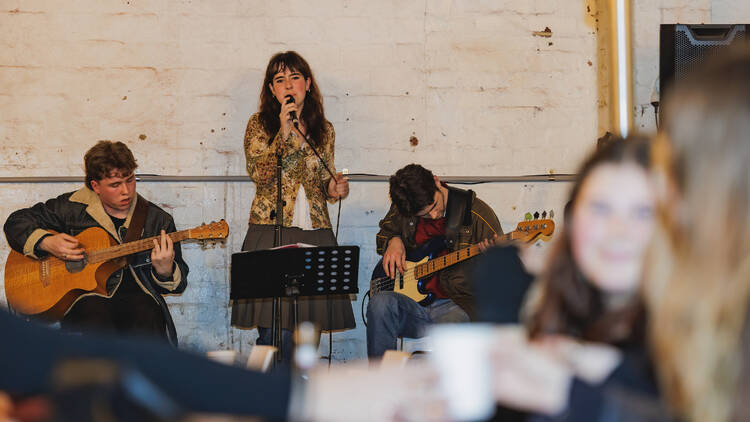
column 535, row 228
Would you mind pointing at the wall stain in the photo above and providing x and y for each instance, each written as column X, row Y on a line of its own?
column 545, row 34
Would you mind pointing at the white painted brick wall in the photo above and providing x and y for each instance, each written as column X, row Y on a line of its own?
column 467, row 78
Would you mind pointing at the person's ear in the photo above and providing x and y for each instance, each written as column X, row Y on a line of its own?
column 95, row 187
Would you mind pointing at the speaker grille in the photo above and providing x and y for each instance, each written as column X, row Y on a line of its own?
column 691, row 52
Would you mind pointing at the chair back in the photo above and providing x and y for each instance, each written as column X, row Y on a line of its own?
column 394, row 359
column 260, row 358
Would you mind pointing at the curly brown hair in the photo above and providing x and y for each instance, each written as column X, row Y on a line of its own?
column 412, row 189
column 105, row 157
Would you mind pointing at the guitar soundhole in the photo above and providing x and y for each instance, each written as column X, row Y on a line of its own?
column 76, row 266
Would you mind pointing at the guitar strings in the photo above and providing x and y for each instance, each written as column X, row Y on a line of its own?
column 387, row 283
column 132, row 247
column 448, row 259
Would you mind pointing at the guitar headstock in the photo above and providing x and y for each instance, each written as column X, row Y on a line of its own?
column 534, row 228
column 213, row 230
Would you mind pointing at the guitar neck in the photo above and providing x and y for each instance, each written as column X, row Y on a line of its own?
column 451, row 258
column 130, row 248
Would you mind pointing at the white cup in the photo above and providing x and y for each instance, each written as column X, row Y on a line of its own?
column 226, row 357
column 460, row 354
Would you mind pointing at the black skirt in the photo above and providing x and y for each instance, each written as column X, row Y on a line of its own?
column 332, row 312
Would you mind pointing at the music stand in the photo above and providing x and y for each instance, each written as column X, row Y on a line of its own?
column 294, row 271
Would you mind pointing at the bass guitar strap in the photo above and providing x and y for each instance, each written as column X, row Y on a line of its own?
column 457, row 214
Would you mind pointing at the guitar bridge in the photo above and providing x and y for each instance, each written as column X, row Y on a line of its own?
column 44, row 272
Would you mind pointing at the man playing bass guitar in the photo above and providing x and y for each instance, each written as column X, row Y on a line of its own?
column 425, row 211
column 131, row 301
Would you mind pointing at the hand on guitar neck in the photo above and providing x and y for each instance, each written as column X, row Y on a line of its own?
column 488, row 243
column 162, row 256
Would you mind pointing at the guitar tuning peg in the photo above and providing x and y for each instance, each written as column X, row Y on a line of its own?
column 527, row 216
column 551, row 214
column 544, row 214
column 536, row 215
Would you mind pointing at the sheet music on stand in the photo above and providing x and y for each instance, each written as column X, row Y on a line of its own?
column 294, row 270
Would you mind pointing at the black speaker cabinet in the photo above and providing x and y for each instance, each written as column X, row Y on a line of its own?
column 683, row 47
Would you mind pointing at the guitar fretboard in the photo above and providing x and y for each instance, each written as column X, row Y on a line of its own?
column 437, row 264
column 136, row 246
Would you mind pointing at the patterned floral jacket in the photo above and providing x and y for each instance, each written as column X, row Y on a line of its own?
column 300, row 166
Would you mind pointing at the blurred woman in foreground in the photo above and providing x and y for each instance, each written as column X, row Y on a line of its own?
column 698, row 279
column 584, row 315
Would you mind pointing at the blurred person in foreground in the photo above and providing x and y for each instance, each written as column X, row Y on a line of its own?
column 584, row 318
column 698, row 278
column 122, row 376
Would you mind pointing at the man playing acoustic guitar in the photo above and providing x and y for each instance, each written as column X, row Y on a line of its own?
column 133, row 301
column 426, row 214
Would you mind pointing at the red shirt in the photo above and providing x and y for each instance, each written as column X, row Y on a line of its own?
column 428, row 228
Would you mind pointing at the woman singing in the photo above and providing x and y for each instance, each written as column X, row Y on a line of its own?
column 291, row 118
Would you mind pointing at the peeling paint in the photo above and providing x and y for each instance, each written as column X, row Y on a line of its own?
column 545, row 34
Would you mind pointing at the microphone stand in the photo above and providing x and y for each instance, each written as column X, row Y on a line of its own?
column 328, row 297
column 276, row 327
column 278, row 224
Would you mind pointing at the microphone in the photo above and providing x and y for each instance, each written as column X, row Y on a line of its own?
column 292, row 114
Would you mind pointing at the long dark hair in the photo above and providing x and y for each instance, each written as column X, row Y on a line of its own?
column 570, row 304
column 312, row 113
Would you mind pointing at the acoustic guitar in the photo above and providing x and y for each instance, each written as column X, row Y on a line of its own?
column 48, row 287
column 422, row 262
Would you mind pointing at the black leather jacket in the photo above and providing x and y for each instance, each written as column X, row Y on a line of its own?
column 74, row 212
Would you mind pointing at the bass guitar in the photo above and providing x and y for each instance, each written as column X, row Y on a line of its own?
column 48, row 287
column 422, row 263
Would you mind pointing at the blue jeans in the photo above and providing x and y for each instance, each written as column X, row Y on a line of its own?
column 287, row 342
column 392, row 315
